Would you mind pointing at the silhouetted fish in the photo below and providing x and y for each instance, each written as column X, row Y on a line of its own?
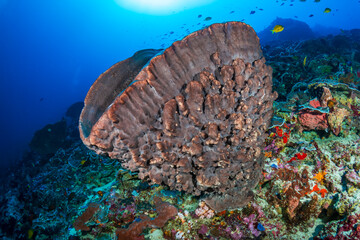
column 311, row 15
column 252, row 12
column 199, row 16
column 207, row 18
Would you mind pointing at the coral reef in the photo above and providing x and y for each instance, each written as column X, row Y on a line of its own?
column 309, row 186
column 195, row 118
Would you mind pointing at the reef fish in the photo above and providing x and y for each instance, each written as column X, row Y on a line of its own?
column 327, row 10
column 277, row 28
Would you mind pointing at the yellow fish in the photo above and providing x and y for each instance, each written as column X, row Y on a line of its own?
column 277, row 28
column 327, row 10
column 304, row 63
column 30, row 233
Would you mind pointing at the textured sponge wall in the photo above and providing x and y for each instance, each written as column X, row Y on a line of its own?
column 196, row 118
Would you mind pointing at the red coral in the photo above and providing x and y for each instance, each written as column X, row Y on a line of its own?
column 298, row 156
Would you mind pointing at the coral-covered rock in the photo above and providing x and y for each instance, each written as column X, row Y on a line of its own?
column 325, row 97
column 195, row 117
column 165, row 212
column 335, row 119
column 311, row 119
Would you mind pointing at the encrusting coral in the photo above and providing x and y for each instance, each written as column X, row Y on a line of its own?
column 165, row 212
column 194, row 118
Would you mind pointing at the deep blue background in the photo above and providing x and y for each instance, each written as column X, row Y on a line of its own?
column 55, row 49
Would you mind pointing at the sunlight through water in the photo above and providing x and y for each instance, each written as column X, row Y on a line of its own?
column 160, row 7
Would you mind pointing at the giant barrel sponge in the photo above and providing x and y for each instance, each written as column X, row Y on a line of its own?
column 193, row 118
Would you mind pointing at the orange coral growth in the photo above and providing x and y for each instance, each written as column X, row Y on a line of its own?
column 331, row 103
column 320, row 176
column 268, row 154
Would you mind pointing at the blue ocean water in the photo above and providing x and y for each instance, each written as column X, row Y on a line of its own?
column 53, row 51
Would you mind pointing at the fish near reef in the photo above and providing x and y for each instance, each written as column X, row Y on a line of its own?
column 277, row 29
column 327, row 10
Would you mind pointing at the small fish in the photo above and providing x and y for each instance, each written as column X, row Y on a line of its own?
column 208, row 18
column 327, row 10
column 199, row 16
column 282, row 4
column 252, row 12
column 311, row 15
column 83, row 162
column 274, row 166
column 30, row 233
column 232, row 12
column 317, row 1
column 304, row 62
column 277, row 29
column 260, row 227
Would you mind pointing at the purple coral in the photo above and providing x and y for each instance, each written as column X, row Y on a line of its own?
column 252, row 224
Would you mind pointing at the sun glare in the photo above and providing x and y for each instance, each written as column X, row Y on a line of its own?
column 160, row 7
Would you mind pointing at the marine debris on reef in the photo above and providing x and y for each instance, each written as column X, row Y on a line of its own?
column 195, row 118
column 309, row 184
